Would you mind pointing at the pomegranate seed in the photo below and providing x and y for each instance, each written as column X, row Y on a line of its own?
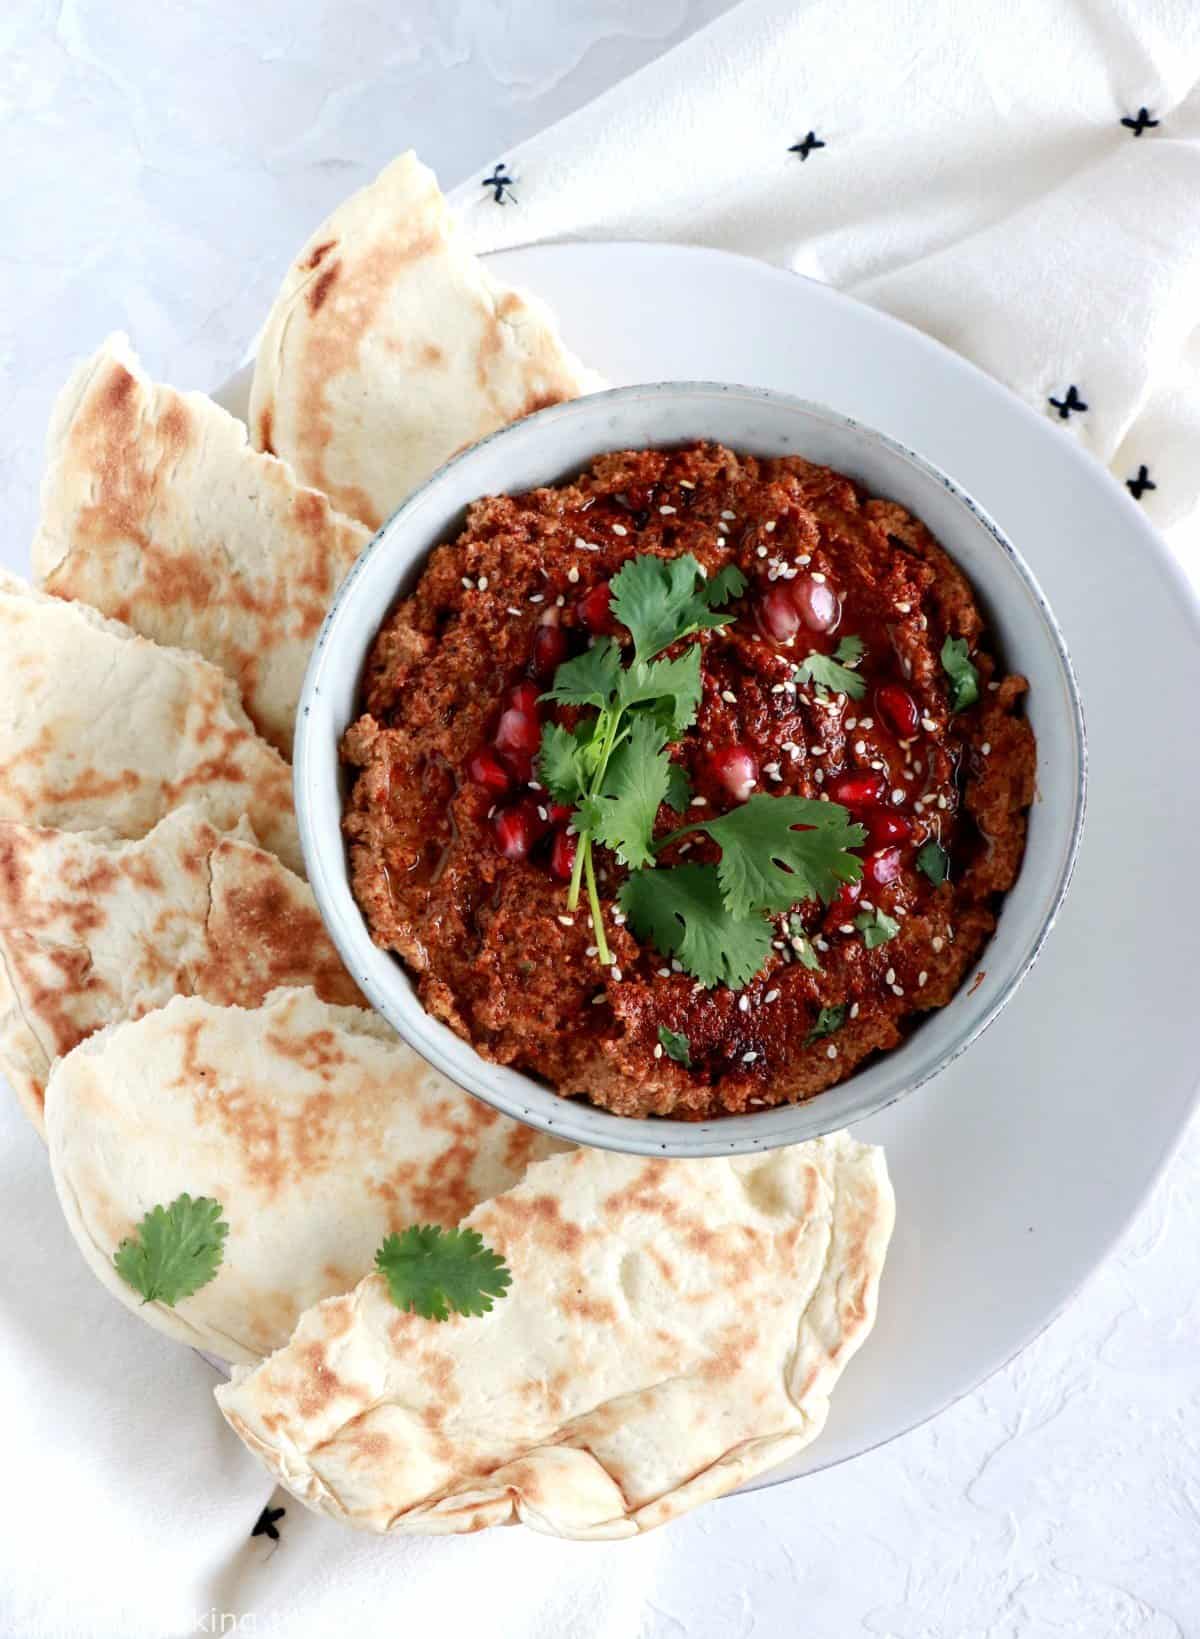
column 843, row 902
column 593, row 609
column 736, row 769
column 884, row 827
column 777, row 613
column 514, row 832
column 820, row 607
column 857, row 790
column 898, row 710
column 883, row 867
column 559, row 813
column 523, row 697
column 549, row 651
column 562, row 856
column 484, row 769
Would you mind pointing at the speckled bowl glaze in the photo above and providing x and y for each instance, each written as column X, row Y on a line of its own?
column 553, row 445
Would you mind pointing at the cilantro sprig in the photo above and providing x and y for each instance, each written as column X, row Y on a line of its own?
column 828, row 1022
column 431, row 1271
column 675, row 1045
column 175, row 1250
column 615, row 770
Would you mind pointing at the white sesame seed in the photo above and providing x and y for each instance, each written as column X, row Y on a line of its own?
column 860, row 747
column 658, row 1051
column 743, row 1004
column 749, row 1058
column 928, row 724
column 922, row 979
column 468, row 583
column 699, row 802
column 851, row 722
column 599, row 998
column 889, row 977
column 776, row 688
column 761, row 552
column 771, row 996
column 831, row 1051
column 821, row 944
column 585, row 546
column 728, row 694
column 703, row 571
column 942, row 803
column 992, row 687
column 538, row 597
column 866, row 722
column 676, row 965
column 818, row 577
column 846, row 927
column 819, row 775
column 722, row 529
column 542, row 814
column 937, row 942
column 616, row 973
column 986, row 748
column 513, row 611
column 897, row 990
column 867, row 904
column 666, row 510
column 854, row 1010
column 573, row 575
column 533, row 785
column 729, row 515
column 619, row 918
column 593, row 950
column 877, row 765
column 686, row 483
column 491, row 811
column 805, row 557
column 567, row 921
column 664, row 972
column 904, row 608
column 619, row 529
column 769, row 526
column 898, row 795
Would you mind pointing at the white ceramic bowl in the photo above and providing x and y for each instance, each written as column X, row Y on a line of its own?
column 553, row 445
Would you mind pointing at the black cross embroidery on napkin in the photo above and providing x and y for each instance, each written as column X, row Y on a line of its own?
column 806, row 147
column 1138, row 486
column 265, row 1525
column 501, row 185
column 1142, row 123
column 1064, row 406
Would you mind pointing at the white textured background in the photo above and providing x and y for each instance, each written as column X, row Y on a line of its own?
column 161, row 160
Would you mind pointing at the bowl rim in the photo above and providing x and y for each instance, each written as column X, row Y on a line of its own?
column 540, row 1106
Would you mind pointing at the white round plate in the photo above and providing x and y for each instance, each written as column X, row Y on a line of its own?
column 1017, row 1167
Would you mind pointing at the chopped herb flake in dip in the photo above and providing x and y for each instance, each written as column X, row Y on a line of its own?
column 689, row 785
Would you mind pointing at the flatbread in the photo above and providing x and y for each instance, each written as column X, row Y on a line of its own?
column 314, row 1126
column 390, row 347
column 156, row 511
column 672, row 1328
column 94, row 929
column 100, row 728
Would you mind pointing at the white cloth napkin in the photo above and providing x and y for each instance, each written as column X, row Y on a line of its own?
column 976, row 180
column 967, row 168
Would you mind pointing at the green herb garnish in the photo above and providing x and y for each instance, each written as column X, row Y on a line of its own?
column 803, row 948
column 935, row 862
column 825, row 670
column 614, row 769
column 876, row 927
column 431, row 1271
column 676, row 1046
column 964, row 679
column 829, row 1021
column 174, row 1251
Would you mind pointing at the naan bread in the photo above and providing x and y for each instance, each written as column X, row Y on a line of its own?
column 672, row 1328
column 94, row 929
column 156, row 511
column 100, row 728
column 390, row 347
column 314, row 1126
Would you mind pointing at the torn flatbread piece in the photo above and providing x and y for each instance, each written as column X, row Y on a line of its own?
column 100, row 728
column 156, row 511
column 390, row 347
column 95, row 929
column 672, row 1329
column 316, row 1129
